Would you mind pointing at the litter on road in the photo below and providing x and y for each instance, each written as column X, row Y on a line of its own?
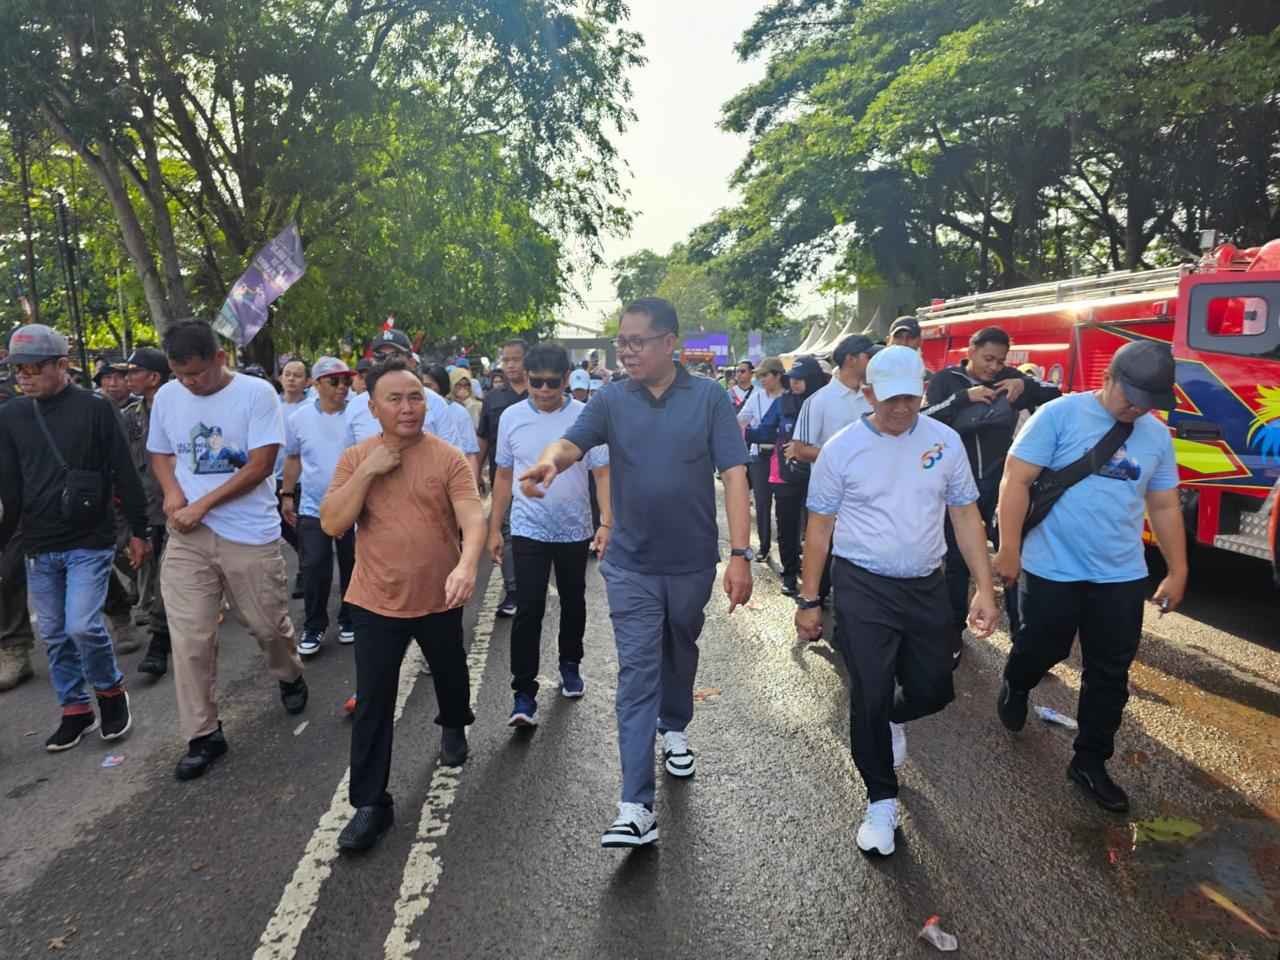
column 933, row 933
column 1050, row 715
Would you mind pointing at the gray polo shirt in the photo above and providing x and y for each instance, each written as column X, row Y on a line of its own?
column 663, row 458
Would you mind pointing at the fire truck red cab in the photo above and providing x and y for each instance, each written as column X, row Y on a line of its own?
column 1222, row 319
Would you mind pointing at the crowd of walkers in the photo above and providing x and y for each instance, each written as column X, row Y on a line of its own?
column 161, row 499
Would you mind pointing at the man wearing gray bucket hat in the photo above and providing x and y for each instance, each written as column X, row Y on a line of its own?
column 63, row 456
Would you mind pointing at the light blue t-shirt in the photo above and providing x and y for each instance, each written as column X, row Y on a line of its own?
column 462, row 428
column 362, row 424
column 318, row 440
column 889, row 494
column 287, row 410
column 564, row 514
column 1094, row 531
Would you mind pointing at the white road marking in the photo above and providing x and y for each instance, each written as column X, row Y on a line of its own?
column 423, row 868
column 298, row 902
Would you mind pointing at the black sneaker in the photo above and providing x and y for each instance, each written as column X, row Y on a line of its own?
column 453, row 746
column 1011, row 706
column 155, row 663
column 366, row 827
column 117, row 719
column 70, row 730
column 294, row 695
column 507, row 608
column 201, row 754
column 1098, row 783
column 789, row 586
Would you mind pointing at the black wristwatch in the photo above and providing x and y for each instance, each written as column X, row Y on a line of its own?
column 804, row 603
column 746, row 553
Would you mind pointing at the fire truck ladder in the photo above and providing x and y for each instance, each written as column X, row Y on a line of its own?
column 1118, row 284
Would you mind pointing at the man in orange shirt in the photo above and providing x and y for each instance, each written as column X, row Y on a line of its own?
column 410, row 493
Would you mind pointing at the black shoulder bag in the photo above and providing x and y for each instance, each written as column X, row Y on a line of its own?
column 1052, row 484
column 83, row 491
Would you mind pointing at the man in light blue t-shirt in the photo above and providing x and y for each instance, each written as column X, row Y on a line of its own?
column 1082, row 570
column 554, row 530
column 314, row 440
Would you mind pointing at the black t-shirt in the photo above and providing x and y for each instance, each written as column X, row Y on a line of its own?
column 495, row 401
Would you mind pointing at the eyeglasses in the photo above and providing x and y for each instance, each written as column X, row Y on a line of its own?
column 636, row 344
column 539, row 382
column 34, row 369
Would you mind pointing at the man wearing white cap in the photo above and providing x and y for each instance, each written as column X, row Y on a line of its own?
column 580, row 385
column 891, row 477
column 314, row 438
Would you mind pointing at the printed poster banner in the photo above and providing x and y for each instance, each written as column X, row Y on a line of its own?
column 277, row 267
column 712, row 342
column 755, row 347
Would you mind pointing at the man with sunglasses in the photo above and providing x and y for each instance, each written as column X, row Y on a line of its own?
column 550, row 531
column 63, row 454
column 314, row 439
column 668, row 432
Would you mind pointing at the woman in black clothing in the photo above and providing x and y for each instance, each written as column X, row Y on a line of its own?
column 789, row 479
column 980, row 399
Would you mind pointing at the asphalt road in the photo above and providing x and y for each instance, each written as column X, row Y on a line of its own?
column 757, row 856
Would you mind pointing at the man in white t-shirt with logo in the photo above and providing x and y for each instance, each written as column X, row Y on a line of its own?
column 890, row 478
column 213, row 442
column 554, row 530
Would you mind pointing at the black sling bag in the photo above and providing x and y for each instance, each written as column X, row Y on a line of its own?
column 1052, row 484
column 83, row 491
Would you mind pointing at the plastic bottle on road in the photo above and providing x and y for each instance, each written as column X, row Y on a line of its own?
column 933, row 933
column 1050, row 715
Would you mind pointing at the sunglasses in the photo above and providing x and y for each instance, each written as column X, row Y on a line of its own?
column 539, row 382
column 335, row 379
column 34, row 369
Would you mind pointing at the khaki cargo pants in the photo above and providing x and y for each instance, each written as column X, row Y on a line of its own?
column 198, row 569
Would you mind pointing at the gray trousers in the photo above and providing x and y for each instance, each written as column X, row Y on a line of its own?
column 656, row 623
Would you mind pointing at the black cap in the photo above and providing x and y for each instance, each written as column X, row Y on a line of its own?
column 807, row 369
column 363, row 364
column 1146, row 372
column 149, row 358
column 394, row 337
column 909, row 324
column 851, row 346
column 109, row 366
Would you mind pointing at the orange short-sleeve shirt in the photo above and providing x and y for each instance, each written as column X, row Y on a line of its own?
column 407, row 533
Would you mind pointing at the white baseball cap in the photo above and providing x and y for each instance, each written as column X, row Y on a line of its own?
column 896, row 372
column 328, row 367
column 579, row 380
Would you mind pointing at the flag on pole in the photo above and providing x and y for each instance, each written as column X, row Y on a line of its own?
column 277, row 267
column 390, row 323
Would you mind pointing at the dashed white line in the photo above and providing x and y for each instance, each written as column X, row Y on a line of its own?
column 423, row 868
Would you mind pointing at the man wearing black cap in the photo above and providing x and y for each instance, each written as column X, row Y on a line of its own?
column 111, row 383
column 1082, row 570
column 148, row 372
column 905, row 332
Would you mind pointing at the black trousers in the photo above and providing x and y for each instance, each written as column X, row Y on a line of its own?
column 316, row 556
column 288, row 532
column 762, row 492
column 897, row 646
column 381, row 643
column 789, row 503
column 958, row 571
column 1108, row 618
column 534, row 561
column 595, row 500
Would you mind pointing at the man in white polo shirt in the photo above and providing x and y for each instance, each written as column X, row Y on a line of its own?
column 315, row 437
column 553, row 530
column 890, row 479
column 362, row 424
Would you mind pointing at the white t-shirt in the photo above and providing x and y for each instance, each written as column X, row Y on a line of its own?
column 463, row 427
column 753, row 411
column 362, row 424
column 563, row 515
column 828, row 412
column 890, row 494
column 210, row 438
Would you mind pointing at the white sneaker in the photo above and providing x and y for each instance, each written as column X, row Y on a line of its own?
column 677, row 757
column 346, row 635
column 876, row 833
column 898, row 734
column 635, row 826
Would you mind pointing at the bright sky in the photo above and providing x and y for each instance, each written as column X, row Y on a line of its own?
column 680, row 160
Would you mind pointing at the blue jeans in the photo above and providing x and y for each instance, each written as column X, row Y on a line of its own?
column 68, row 590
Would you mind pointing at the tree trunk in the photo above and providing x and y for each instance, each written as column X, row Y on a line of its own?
column 20, row 144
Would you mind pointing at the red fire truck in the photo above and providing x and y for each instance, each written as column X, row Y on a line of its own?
column 1222, row 318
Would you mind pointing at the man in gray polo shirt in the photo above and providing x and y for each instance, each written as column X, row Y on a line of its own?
column 668, row 433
